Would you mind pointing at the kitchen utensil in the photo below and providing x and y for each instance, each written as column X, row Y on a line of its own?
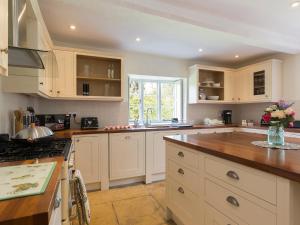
column 34, row 133
column 213, row 97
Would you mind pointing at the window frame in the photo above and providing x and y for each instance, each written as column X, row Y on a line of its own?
column 141, row 81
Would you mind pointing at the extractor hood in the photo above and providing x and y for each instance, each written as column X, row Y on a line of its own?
column 23, row 36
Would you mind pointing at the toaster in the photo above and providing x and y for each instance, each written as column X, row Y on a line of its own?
column 89, row 123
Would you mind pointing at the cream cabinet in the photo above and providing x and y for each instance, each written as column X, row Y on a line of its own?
column 64, row 74
column 225, row 192
column 241, row 85
column 4, row 37
column 56, row 213
column 91, row 158
column 260, row 82
column 127, row 155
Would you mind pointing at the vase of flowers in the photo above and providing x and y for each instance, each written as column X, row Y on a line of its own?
column 279, row 116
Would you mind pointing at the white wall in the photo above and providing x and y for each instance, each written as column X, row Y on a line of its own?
column 9, row 103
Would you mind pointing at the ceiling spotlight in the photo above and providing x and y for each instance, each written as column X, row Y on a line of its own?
column 138, row 39
column 200, row 50
column 72, row 27
column 236, row 56
column 295, row 3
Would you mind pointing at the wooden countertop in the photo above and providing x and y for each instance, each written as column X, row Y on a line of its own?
column 237, row 147
column 69, row 133
column 31, row 210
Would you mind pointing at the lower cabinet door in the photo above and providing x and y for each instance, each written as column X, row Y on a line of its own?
column 127, row 155
column 213, row 217
column 185, row 204
column 87, row 157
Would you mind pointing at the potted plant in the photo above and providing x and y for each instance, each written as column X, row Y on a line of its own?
column 279, row 116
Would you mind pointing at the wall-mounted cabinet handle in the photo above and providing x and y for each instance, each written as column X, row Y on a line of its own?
column 180, row 189
column 232, row 175
column 4, row 50
column 181, row 171
column 233, row 201
column 180, row 154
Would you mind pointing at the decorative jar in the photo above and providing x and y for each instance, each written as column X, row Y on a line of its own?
column 276, row 135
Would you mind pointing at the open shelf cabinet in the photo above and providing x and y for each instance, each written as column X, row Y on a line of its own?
column 98, row 76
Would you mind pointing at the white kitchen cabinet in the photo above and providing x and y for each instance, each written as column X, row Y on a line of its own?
column 241, row 85
column 214, row 217
column 127, row 155
column 4, row 37
column 229, row 84
column 64, row 78
column 91, row 158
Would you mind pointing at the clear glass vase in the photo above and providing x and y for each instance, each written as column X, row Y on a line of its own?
column 276, row 135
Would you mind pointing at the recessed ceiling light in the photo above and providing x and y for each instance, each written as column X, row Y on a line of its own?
column 200, row 50
column 295, row 4
column 236, row 56
column 138, row 39
column 72, row 27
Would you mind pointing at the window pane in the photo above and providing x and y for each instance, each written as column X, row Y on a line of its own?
column 150, row 100
column 168, row 109
column 134, row 100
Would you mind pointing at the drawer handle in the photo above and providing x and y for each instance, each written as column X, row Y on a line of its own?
column 233, row 201
column 180, row 189
column 180, row 154
column 181, row 171
column 232, row 175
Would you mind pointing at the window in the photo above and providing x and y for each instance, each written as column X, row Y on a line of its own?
column 160, row 96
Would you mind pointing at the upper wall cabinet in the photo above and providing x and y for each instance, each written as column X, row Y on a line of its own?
column 63, row 74
column 98, row 76
column 261, row 82
column 210, row 84
column 4, row 37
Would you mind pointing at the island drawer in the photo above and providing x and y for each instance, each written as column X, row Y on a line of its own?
column 213, row 217
column 184, row 175
column 258, row 183
column 183, row 155
column 237, row 206
column 185, row 204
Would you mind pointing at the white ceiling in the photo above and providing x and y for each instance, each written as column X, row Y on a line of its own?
column 178, row 28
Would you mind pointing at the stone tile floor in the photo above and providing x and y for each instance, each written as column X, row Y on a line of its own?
column 132, row 205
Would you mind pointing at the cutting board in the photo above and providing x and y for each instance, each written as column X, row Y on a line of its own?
column 25, row 180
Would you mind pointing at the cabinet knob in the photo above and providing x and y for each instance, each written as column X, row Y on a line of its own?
column 127, row 137
column 232, row 99
column 51, row 91
column 180, row 189
column 233, row 201
column 58, row 92
column 77, row 140
column 266, row 95
column 4, row 50
column 180, row 154
column 41, row 83
column 181, row 171
column 232, row 175
column 239, row 99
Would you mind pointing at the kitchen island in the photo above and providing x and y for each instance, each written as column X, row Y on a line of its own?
column 35, row 209
column 224, row 179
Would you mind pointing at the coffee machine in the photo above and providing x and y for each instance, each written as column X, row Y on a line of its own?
column 227, row 116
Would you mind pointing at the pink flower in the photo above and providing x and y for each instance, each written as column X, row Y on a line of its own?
column 267, row 117
column 289, row 111
column 291, row 124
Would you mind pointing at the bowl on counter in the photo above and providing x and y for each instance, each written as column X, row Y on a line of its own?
column 213, row 97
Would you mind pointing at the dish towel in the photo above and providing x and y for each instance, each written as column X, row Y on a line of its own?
column 84, row 201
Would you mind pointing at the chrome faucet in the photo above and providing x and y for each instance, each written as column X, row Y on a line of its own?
column 148, row 122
